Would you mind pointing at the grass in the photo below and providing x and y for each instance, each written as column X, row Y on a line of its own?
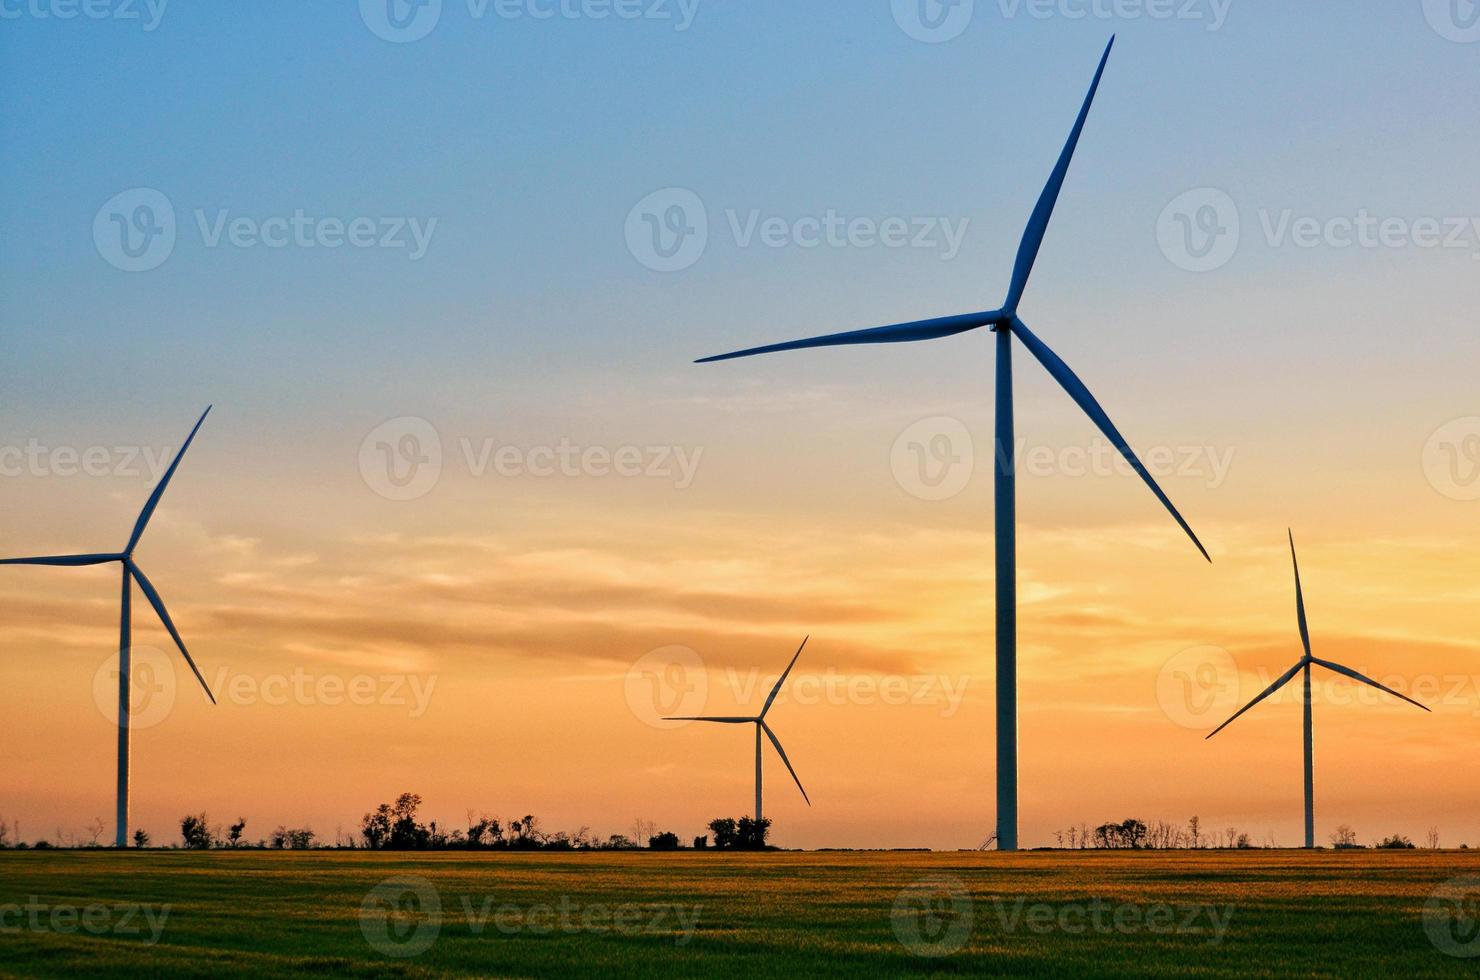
column 1195, row 914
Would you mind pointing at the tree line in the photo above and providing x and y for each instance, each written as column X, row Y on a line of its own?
column 1138, row 835
column 397, row 826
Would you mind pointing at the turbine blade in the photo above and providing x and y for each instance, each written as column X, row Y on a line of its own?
column 153, row 500
column 782, row 679
column 1366, row 680
column 63, row 560
column 782, row 752
column 1082, row 397
column 1281, row 682
column 899, row 333
column 1038, row 223
column 721, row 721
column 1299, row 598
column 164, row 617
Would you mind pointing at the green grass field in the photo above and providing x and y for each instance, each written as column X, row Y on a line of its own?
column 67, row 913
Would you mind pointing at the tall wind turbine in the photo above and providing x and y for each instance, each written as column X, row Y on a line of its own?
column 1006, row 324
column 1303, row 667
column 759, row 721
column 131, row 572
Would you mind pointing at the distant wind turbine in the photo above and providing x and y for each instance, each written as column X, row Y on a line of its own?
column 131, row 571
column 759, row 721
column 1303, row 666
column 1005, row 323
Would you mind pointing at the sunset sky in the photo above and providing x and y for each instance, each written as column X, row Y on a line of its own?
column 508, row 628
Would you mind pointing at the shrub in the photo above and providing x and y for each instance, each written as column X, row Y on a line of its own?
column 752, row 833
column 195, row 831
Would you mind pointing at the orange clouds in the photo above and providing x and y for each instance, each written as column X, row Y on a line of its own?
column 524, row 639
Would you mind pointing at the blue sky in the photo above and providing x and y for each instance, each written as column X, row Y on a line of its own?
column 529, row 141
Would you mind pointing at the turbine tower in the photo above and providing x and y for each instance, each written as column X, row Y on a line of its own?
column 760, row 726
column 131, row 573
column 1006, row 324
column 1303, row 667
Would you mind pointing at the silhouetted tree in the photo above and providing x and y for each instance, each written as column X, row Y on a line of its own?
column 292, row 838
column 725, row 833
column 375, row 827
column 141, row 838
column 1162, row 835
column 406, row 834
column 527, row 834
column 666, row 841
column 195, row 831
column 701, row 843
column 234, row 835
column 483, row 832
column 752, row 833
column 1344, row 836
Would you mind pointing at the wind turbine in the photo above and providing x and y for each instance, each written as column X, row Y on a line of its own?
column 131, row 572
column 759, row 721
column 1303, row 666
column 1006, row 324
